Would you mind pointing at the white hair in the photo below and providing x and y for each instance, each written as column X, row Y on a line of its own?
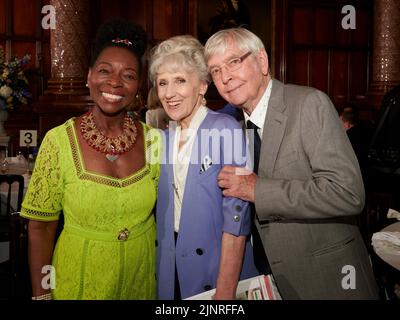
column 243, row 38
column 180, row 52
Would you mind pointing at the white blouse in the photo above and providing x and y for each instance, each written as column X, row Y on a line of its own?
column 181, row 160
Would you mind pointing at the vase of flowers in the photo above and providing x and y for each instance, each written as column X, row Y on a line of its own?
column 13, row 85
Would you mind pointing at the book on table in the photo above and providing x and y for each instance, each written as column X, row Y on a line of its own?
column 262, row 287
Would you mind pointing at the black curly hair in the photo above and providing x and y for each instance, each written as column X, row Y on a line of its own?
column 118, row 29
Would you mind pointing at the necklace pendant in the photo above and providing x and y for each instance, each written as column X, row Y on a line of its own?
column 111, row 157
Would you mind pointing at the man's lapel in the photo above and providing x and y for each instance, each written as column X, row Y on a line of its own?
column 274, row 129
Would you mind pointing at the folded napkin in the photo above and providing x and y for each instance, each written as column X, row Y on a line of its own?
column 386, row 242
column 393, row 214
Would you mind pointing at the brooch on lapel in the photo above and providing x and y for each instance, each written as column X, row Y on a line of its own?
column 205, row 164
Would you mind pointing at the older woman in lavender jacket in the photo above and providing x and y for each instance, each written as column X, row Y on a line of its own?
column 202, row 236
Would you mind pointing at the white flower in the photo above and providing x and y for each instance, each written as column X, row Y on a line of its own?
column 5, row 91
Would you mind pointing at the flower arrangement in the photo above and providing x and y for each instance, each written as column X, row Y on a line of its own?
column 13, row 83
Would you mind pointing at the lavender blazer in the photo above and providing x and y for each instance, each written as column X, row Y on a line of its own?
column 205, row 215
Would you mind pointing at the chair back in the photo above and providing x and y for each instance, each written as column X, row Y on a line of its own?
column 7, row 205
column 14, row 229
column 10, row 179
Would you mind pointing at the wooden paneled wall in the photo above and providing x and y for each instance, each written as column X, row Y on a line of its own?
column 314, row 50
column 160, row 18
column 20, row 34
column 309, row 46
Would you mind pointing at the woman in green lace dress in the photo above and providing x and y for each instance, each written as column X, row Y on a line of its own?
column 100, row 170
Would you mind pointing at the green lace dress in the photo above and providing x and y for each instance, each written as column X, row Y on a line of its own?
column 107, row 247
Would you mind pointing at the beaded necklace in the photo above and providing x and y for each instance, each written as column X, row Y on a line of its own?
column 111, row 147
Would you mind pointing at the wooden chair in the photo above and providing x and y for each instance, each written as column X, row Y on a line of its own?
column 15, row 271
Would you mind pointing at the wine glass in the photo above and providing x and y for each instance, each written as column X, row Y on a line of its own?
column 20, row 156
column 3, row 162
column 30, row 163
column 4, row 166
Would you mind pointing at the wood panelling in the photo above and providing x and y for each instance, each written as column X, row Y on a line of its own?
column 301, row 26
column 323, row 27
column 358, row 86
column 137, row 12
column 129, row 10
column 162, row 19
column 342, row 36
column 320, row 69
column 2, row 17
column 45, row 58
column 313, row 49
column 24, row 17
column 110, row 8
column 300, row 68
column 360, row 36
column 19, row 49
column 21, row 33
column 339, row 78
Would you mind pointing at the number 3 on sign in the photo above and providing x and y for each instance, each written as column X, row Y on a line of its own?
column 28, row 138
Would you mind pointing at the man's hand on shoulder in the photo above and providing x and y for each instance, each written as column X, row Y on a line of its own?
column 237, row 182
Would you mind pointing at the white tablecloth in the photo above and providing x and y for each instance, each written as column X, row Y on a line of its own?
column 16, row 166
column 392, row 259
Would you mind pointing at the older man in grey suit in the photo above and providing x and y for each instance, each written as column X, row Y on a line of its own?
column 307, row 188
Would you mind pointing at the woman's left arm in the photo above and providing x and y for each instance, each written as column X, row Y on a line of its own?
column 237, row 219
column 232, row 250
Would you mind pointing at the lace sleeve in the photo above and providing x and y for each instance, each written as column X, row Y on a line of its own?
column 43, row 200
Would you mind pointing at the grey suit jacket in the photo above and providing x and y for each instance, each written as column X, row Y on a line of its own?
column 308, row 192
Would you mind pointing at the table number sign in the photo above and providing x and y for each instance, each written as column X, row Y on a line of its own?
column 28, row 138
